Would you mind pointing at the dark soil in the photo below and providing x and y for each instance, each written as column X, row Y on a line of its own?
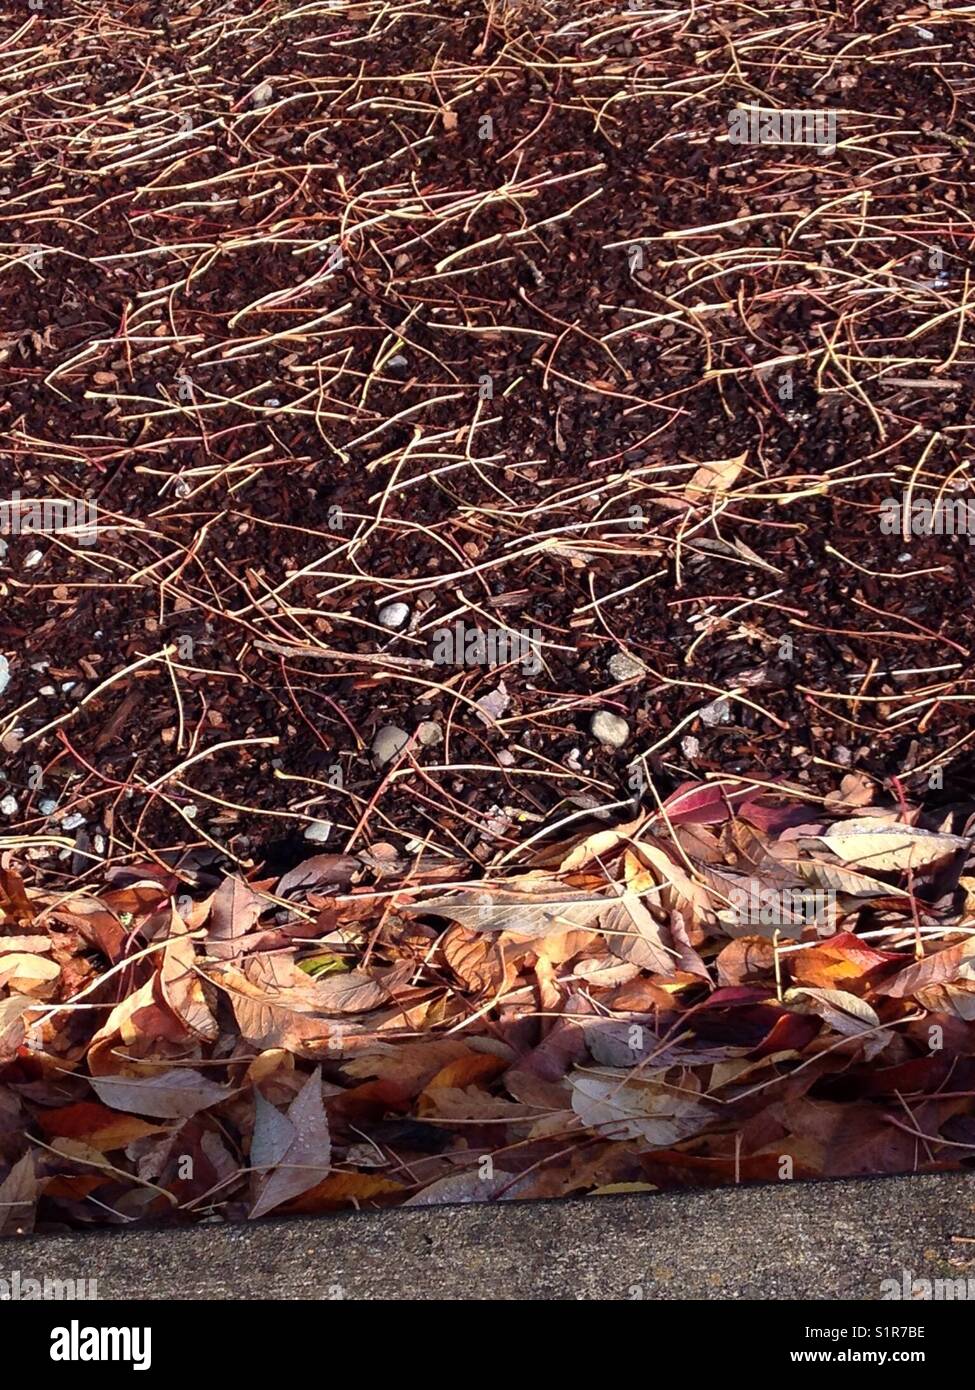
column 490, row 410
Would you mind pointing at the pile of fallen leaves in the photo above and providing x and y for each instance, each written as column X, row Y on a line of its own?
column 604, row 1018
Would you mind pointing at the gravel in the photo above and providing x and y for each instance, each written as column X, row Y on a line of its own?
column 611, row 730
column 623, row 667
column 389, row 741
column 318, row 832
column 394, row 615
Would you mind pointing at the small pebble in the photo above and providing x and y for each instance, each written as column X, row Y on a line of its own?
column 8, row 806
column 690, row 746
column 388, row 742
column 429, row 733
column 73, row 821
column 318, row 832
column 32, row 560
column 717, row 712
column 623, row 667
column 394, row 615
column 505, row 758
column 48, row 807
column 610, row 729
column 4, row 674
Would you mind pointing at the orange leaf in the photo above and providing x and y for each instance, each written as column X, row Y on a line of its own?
column 96, row 1124
column 339, row 1188
column 478, row 1066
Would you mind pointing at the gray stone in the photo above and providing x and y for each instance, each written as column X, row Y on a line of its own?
column 389, row 741
column 429, row 733
column 623, row 667
column 717, row 712
column 318, row 832
column 611, row 730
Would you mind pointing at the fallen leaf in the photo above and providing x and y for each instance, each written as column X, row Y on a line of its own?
column 234, row 912
column 99, row 1126
column 465, row 1187
column 844, row 1012
column 299, row 1150
column 715, row 476
column 886, row 848
column 943, row 967
column 172, row 1095
column 18, row 1195
column 621, row 1105
column 29, row 974
column 181, row 983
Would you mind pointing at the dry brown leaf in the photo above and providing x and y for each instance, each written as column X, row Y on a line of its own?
column 181, row 984
column 18, row 1195
column 885, row 848
column 171, row 1095
column 29, row 974
column 714, row 477
column 297, row 1147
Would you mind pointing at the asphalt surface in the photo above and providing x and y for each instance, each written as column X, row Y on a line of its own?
column 807, row 1241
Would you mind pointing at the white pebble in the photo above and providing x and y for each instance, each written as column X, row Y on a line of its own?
column 610, row 729
column 318, row 832
column 73, row 821
column 4, row 674
column 389, row 741
column 8, row 806
column 394, row 614
column 32, row 560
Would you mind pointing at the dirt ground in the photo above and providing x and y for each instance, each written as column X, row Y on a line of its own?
column 341, row 306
